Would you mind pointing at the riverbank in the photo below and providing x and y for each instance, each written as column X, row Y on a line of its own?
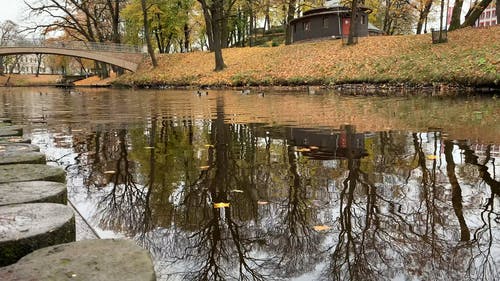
column 28, row 80
column 469, row 59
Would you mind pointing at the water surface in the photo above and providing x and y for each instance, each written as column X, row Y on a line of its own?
column 285, row 186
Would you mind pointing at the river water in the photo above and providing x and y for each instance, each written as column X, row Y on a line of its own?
column 285, row 186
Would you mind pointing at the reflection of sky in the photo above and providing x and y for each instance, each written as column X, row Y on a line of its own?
column 57, row 143
column 87, row 204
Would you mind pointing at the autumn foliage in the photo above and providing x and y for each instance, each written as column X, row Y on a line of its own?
column 470, row 57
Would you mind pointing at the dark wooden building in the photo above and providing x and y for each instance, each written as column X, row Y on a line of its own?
column 328, row 22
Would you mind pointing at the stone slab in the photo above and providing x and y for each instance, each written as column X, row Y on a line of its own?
column 14, row 139
column 31, row 172
column 8, row 131
column 33, row 192
column 22, row 158
column 110, row 260
column 29, row 227
column 18, row 147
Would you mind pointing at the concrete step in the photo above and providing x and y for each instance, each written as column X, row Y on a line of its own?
column 31, row 172
column 8, row 131
column 20, row 153
column 29, row 227
column 33, row 192
column 110, row 260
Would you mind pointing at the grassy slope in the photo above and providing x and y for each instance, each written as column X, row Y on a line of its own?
column 471, row 57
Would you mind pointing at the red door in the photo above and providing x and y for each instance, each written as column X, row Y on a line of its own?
column 346, row 24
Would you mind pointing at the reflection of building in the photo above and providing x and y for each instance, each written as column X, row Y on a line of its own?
column 329, row 144
column 27, row 64
column 332, row 21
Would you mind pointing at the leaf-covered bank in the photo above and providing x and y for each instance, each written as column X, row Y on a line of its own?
column 471, row 57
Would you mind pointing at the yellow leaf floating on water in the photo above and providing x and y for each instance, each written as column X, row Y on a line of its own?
column 432, row 157
column 262, row 202
column 321, row 228
column 302, row 149
column 221, row 205
column 110, row 172
column 237, row 191
column 203, row 168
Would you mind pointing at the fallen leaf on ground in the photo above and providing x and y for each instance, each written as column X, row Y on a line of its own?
column 203, row 168
column 432, row 157
column 109, row 172
column 262, row 202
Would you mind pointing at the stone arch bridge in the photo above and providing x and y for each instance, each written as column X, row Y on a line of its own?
column 124, row 56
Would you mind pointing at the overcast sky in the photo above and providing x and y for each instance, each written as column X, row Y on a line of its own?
column 12, row 10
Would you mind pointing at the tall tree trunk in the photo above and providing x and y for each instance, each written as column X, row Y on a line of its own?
column 441, row 22
column 217, row 26
column 422, row 19
column 267, row 18
column 354, row 23
column 497, row 9
column 38, row 64
column 146, row 33
column 455, row 16
column 187, row 34
column 2, row 70
column 289, row 17
column 474, row 13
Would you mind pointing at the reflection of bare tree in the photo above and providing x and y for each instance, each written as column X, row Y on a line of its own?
column 218, row 248
column 125, row 206
column 456, row 191
column 354, row 255
column 293, row 240
column 482, row 264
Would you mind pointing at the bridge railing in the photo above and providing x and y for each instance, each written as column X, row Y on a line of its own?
column 75, row 45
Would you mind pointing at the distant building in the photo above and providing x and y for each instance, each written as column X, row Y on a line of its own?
column 488, row 17
column 331, row 21
column 27, row 64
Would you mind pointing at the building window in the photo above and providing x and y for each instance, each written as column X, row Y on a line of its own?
column 488, row 14
column 307, row 26
column 325, row 22
column 362, row 19
column 294, row 28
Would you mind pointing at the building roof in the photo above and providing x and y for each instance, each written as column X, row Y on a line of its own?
column 329, row 10
column 372, row 27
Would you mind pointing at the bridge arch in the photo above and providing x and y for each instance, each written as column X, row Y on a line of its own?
column 126, row 57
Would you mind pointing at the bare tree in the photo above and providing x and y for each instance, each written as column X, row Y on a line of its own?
column 8, row 32
column 216, row 13
column 146, row 33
